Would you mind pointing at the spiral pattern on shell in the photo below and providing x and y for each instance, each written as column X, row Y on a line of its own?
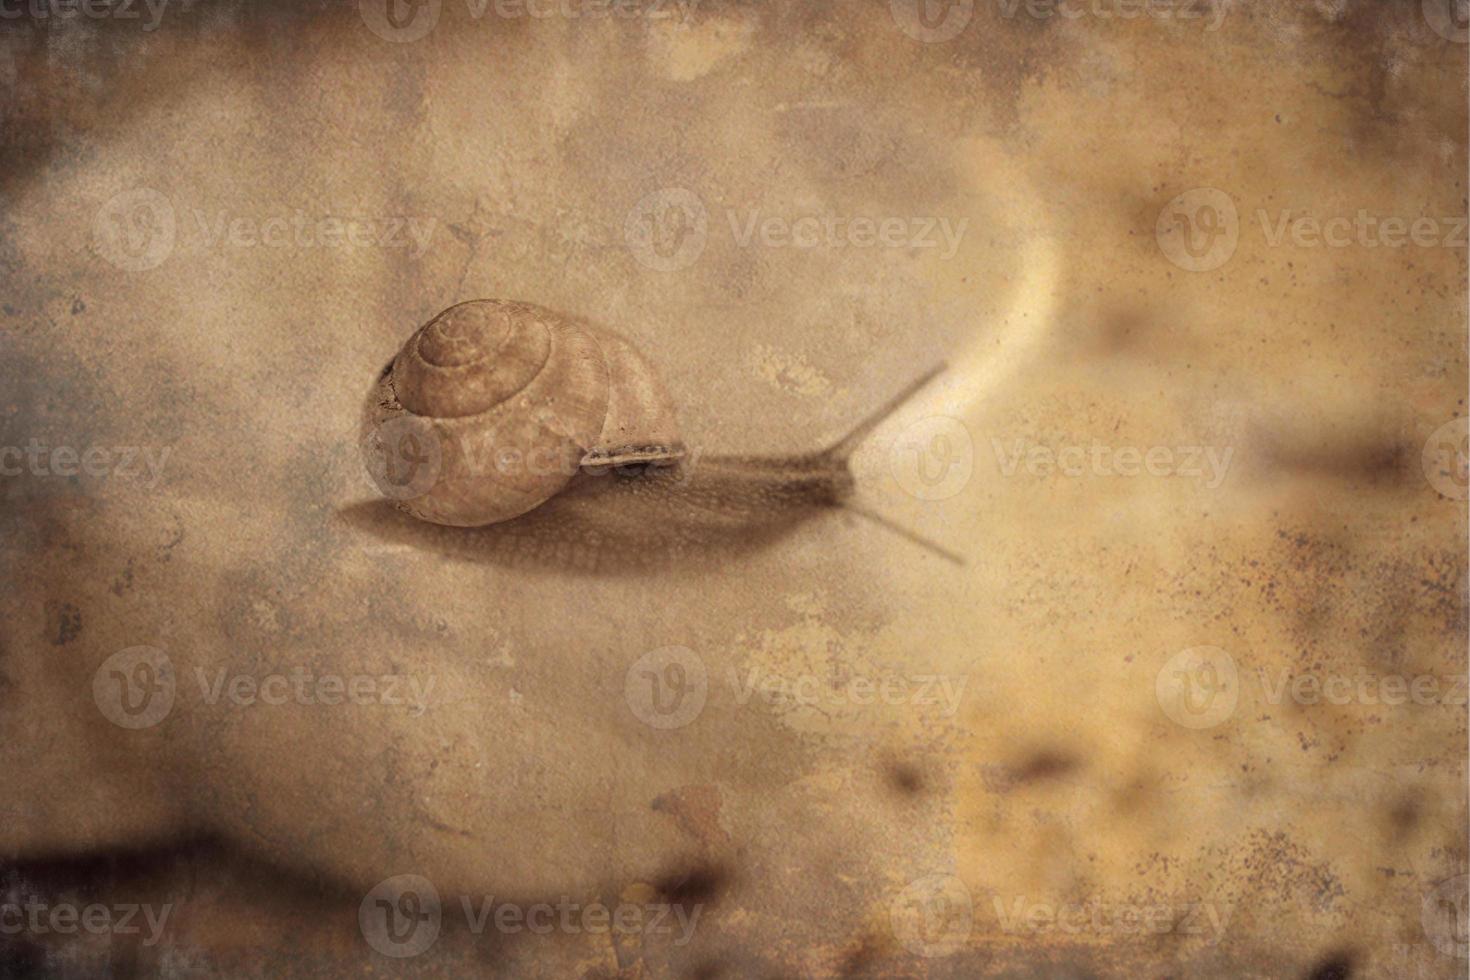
column 494, row 406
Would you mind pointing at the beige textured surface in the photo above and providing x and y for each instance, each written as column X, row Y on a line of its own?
column 1286, row 838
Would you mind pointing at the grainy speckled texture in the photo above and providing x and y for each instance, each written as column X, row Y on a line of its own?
column 1289, row 839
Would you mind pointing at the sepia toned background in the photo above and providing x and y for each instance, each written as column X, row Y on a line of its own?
column 1190, row 703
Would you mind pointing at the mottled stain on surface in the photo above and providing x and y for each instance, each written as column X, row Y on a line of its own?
column 698, row 810
column 1334, row 966
column 63, row 622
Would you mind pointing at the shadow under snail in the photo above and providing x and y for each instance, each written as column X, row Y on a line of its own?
column 561, row 434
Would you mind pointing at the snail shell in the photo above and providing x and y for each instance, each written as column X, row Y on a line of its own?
column 492, row 407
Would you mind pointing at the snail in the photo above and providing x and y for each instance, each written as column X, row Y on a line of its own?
column 560, row 433
column 492, row 407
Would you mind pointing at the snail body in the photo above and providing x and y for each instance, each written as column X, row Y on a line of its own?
column 493, row 407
